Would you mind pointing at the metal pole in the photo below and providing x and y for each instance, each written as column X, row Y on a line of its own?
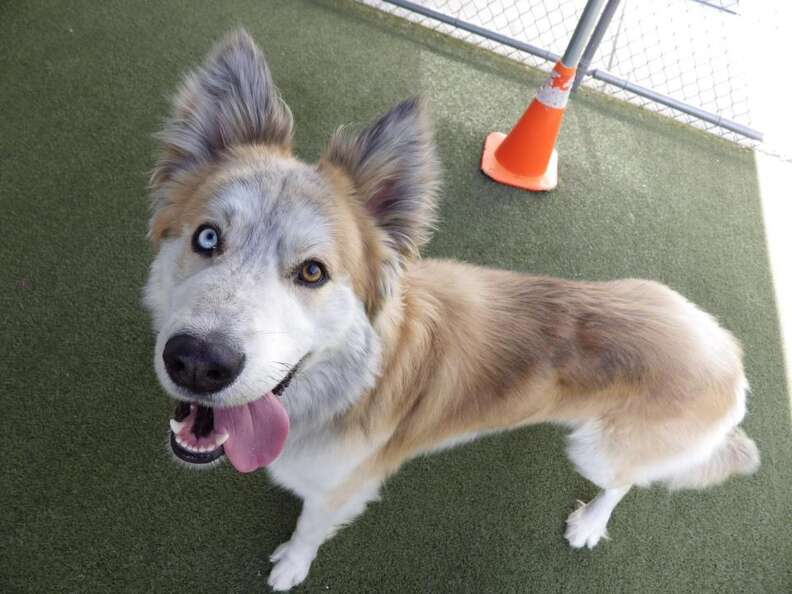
column 594, row 42
column 582, row 32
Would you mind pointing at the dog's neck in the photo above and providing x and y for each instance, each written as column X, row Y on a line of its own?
column 335, row 381
column 399, row 363
column 346, row 377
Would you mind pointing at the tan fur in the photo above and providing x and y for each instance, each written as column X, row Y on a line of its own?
column 482, row 350
column 360, row 243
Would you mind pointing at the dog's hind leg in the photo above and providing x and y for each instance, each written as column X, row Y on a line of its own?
column 590, row 452
column 588, row 523
column 321, row 517
column 617, row 452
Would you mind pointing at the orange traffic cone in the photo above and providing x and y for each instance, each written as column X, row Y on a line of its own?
column 527, row 158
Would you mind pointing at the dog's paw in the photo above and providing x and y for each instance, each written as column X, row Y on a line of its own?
column 279, row 552
column 586, row 526
column 291, row 567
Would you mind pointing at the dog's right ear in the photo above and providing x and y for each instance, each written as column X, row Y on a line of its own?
column 228, row 101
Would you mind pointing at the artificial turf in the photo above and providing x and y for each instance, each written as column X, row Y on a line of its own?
column 90, row 502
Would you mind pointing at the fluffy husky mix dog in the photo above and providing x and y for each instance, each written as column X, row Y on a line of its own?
column 299, row 331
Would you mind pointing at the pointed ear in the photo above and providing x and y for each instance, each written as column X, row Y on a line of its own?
column 393, row 166
column 230, row 100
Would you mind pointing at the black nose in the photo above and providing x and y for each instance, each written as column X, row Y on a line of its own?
column 199, row 365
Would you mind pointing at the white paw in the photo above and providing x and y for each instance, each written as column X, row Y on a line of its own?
column 291, row 566
column 280, row 551
column 586, row 526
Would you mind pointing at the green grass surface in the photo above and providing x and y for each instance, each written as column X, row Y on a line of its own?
column 89, row 501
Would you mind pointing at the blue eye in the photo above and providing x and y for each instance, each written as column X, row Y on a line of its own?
column 206, row 240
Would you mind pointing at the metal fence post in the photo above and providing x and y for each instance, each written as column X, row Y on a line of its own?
column 582, row 32
column 594, row 42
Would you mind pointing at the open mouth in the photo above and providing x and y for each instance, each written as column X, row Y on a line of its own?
column 193, row 437
column 250, row 436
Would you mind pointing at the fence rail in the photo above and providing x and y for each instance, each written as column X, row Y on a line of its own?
column 681, row 58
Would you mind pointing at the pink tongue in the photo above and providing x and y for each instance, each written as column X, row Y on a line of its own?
column 256, row 432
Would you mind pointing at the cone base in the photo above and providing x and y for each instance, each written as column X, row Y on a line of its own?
column 490, row 166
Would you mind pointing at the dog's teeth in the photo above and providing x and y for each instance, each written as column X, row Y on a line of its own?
column 176, row 426
column 222, row 440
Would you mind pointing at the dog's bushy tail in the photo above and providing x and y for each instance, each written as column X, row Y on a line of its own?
column 737, row 454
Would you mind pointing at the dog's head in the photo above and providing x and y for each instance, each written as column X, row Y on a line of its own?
column 270, row 273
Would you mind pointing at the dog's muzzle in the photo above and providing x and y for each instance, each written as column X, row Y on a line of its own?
column 250, row 435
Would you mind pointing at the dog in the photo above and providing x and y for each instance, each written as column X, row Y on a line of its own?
column 299, row 331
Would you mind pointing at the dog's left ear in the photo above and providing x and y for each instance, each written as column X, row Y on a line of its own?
column 228, row 101
column 393, row 167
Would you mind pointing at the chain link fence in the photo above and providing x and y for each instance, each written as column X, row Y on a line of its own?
column 692, row 51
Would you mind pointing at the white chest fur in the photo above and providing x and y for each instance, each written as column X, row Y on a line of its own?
column 317, row 462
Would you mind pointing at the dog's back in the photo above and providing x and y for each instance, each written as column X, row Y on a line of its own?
column 484, row 350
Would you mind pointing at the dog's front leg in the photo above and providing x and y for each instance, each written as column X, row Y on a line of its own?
column 321, row 516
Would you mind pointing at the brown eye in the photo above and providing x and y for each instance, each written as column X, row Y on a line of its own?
column 312, row 273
